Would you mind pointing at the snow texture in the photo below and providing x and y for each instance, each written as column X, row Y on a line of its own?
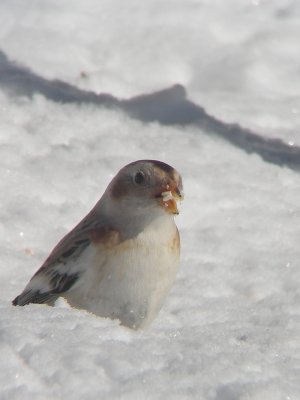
column 230, row 328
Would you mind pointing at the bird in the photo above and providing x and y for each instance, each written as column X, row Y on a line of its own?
column 121, row 260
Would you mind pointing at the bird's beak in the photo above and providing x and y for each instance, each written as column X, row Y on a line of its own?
column 169, row 200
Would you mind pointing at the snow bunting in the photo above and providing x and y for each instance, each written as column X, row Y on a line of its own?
column 120, row 261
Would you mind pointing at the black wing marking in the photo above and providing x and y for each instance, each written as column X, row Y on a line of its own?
column 55, row 276
column 31, row 296
column 65, row 251
column 60, row 283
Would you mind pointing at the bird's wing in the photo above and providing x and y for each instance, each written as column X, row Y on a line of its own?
column 61, row 270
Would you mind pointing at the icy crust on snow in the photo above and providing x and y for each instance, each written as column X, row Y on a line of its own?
column 230, row 327
column 62, row 353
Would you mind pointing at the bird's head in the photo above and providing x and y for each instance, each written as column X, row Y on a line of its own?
column 147, row 184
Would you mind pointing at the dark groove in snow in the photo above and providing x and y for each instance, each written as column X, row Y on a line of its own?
column 169, row 107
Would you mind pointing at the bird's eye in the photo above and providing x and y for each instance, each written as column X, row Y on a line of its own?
column 139, row 178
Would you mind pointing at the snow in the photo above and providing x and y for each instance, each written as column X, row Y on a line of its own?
column 230, row 327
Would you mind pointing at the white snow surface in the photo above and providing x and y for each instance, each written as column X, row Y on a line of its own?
column 230, row 328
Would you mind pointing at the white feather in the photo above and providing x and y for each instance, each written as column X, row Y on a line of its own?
column 130, row 281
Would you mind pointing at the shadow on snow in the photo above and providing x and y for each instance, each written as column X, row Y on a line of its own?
column 168, row 107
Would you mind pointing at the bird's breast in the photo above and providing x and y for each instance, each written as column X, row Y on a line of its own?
column 130, row 279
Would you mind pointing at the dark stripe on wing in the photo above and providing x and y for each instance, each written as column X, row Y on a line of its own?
column 75, row 250
column 60, row 283
column 34, row 297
